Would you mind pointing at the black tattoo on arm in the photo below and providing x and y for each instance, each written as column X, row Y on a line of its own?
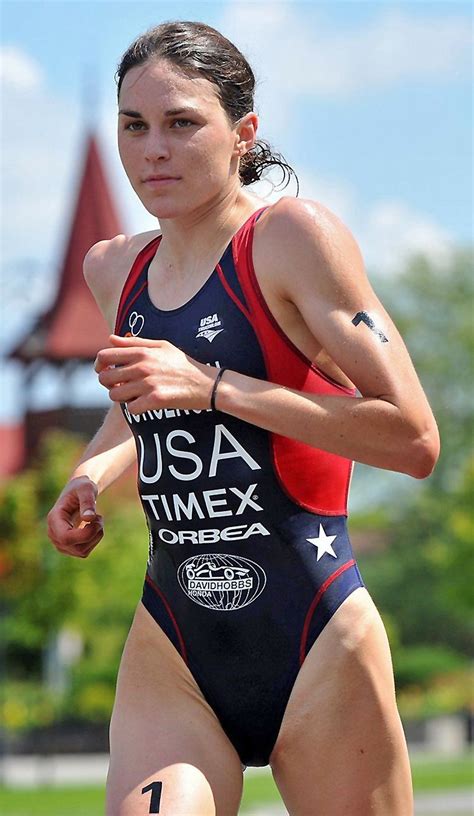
column 155, row 788
column 363, row 317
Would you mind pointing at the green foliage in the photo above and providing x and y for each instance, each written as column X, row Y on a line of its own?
column 36, row 579
column 420, row 665
column 450, row 692
column 432, row 305
column 25, row 705
column 423, row 578
column 45, row 592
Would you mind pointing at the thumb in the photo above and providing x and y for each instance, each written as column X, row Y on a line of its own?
column 87, row 508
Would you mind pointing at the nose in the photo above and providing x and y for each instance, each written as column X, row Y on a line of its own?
column 156, row 146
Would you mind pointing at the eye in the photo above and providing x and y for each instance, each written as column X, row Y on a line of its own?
column 181, row 123
column 135, row 126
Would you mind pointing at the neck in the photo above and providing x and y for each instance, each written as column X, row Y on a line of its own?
column 191, row 241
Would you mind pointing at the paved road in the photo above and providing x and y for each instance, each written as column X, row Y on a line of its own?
column 452, row 803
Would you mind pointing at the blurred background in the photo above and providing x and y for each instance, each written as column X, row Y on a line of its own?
column 370, row 102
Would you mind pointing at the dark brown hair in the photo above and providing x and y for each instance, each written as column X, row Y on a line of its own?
column 199, row 50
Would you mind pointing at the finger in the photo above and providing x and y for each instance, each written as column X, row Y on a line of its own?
column 141, row 405
column 82, row 550
column 75, row 541
column 82, row 535
column 64, row 517
column 59, row 525
column 125, row 342
column 108, row 357
column 114, row 376
column 125, row 392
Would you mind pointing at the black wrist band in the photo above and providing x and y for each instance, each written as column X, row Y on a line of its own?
column 214, row 388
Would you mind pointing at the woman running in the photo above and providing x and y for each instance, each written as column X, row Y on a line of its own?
column 250, row 364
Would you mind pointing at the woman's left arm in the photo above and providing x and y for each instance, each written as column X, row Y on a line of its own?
column 312, row 261
column 315, row 263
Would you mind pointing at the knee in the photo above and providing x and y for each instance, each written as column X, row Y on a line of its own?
column 181, row 788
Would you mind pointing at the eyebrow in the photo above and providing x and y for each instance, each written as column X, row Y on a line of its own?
column 133, row 114
column 173, row 112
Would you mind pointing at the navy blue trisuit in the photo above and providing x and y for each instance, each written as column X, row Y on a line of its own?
column 249, row 555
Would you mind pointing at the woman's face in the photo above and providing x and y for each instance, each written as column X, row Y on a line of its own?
column 175, row 141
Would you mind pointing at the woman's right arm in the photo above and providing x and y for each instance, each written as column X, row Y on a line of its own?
column 74, row 525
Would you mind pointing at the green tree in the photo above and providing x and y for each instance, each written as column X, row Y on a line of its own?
column 422, row 580
column 423, row 577
column 432, row 305
column 44, row 591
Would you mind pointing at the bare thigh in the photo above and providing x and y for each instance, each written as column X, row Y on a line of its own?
column 165, row 738
column 341, row 750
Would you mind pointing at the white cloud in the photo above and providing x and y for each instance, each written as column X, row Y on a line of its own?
column 294, row 55
column 39, row 137
column 389, row 231
column 335, row 194
column 392, row 232
column 41, row 161
column 394, row 47
column 311, row 57
column 19, row 70
column 299, row 57
column 42, row 147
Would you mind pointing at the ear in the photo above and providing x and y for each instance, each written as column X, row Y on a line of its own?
column 245, row 133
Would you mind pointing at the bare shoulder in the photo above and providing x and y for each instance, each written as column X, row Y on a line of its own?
column 298, row 219
column 309, row 238
column 107, row 265
column 109, row 260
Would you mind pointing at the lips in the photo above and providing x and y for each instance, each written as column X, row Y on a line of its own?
column 158, row 181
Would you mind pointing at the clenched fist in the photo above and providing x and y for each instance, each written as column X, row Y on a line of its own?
column 74, row 526
column 152, row 374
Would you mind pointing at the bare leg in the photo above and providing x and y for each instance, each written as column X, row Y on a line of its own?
column 165, row 737
column 341, row 750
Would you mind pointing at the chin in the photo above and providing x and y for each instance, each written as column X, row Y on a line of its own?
column 167, row 207
column 164, row 206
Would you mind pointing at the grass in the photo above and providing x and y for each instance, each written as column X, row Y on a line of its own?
column 74, row 801
column 435, row 773
column 429, row 774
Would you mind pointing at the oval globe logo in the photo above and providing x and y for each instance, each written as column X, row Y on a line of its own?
column 220, row 581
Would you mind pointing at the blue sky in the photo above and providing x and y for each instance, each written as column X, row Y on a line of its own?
column 370, row 102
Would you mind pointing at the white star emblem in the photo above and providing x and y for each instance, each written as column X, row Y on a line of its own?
column 323, row 543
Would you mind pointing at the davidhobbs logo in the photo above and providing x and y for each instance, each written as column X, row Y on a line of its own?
column 220, row 581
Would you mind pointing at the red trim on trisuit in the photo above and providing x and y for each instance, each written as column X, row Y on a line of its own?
column 325, row 489
column 322, row 589
column 145, row 255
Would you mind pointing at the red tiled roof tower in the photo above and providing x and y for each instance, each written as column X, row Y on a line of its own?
column 69, row 334
column 73, row 328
